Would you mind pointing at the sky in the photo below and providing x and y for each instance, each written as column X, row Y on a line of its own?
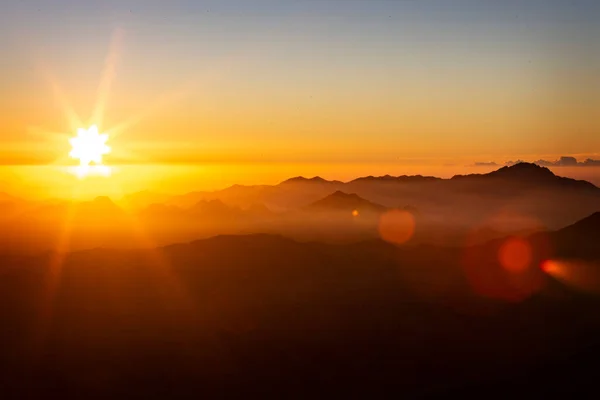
column 331, row 87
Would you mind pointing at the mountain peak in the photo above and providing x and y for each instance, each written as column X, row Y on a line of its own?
column 100, row 204
column 398, row 179
column 214, row 207
column 213, row 203
column 343, row 195
column 524, row 169
column 102, row 200
column 342, row 201
column 301, row 179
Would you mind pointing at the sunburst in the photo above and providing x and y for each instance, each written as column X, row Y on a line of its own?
column 89, row 146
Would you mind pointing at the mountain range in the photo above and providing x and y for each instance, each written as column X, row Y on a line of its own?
column 523, row 198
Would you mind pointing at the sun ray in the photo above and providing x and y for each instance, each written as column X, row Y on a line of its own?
column 60, row 97
column 121, row 156
column 176, row 294
column 107, row 78
column 97, row 116
column 167, row 99
column 51, row 285
column 72, row 117
column 159, row 104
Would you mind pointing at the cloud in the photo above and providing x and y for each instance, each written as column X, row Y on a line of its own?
column 564, row 161
column 486, row 164
column 590, row 163
column 561, row 162
column 510, row 163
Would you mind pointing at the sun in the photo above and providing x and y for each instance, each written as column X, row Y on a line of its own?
column 89, row 146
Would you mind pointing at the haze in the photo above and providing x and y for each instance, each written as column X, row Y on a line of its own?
column 299, row 199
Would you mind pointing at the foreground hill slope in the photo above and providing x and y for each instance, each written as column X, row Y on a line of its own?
column 267, row 315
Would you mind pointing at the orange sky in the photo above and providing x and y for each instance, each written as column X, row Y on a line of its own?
column 275, row 90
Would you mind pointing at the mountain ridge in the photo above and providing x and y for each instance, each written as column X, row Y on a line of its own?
column 528, row 173
column 342, row 201
column 314, row 179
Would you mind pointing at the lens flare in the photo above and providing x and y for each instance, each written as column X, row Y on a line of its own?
column 550, row 267
column 397, row 226
column 515, row 255
column 577, row 274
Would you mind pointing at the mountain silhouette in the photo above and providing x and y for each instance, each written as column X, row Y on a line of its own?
column 397, row 179
column 10, row 206
column 101, row 206
column 447, row 212
column 158, row 210
column 525, row 171
column 258, row 209
column 7, row 198
column 213, row 208
column 580, row 239
column 301, row 179
column 347, row 202
column 372, row 317
column 541, row 193
column 589, row 226
column 143, row 199
column 529, row 174
column 519, row 171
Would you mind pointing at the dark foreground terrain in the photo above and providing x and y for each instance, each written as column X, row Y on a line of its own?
column 265, row 316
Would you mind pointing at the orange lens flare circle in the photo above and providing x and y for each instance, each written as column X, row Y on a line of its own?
column 397, row 226
column 515, row 255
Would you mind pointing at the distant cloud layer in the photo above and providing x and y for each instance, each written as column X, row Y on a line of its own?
column 561, row 162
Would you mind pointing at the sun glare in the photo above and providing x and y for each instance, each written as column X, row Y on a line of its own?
column 89, row 146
